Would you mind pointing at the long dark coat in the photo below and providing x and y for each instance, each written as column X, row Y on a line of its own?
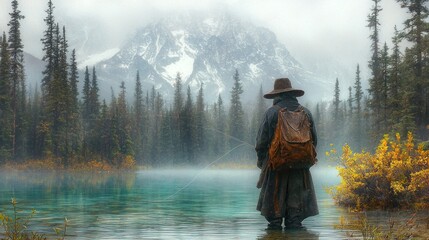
column 287, row 194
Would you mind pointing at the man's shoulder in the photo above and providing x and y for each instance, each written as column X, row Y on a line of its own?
column 272, row 111
column 274, row 108
column 306, row 109
column 308, row 112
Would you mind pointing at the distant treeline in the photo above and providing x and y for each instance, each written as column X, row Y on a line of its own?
column 57, row 121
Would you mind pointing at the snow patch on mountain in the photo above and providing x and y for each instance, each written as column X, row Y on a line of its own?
column 206, row 50
column 93, row 59
column 184, row 58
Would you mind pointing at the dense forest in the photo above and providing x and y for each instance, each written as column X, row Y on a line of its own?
column 59, row 121
column 397, row 100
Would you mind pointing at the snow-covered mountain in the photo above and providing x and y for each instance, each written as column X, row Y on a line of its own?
column 206, row 50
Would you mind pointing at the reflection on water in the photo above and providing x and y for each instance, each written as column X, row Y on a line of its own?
column 291, row 234
column 219, row 204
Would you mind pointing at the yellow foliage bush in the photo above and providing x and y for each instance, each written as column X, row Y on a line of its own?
column 93, row 165
column 122, row 162
column 128, row 163
column 46, row 164
column 395, row 176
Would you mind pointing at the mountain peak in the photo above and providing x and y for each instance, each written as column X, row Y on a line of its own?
column 205, row 49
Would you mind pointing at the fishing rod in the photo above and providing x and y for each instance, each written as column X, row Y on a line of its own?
column 201, row 170
column 243, row 143
column 232, row 137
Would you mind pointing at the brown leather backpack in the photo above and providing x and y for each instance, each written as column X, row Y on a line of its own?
column 292, row 144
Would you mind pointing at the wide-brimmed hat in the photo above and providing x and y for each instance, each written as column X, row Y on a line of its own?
column 282, row 85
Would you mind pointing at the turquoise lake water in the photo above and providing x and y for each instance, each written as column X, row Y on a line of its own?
column 159, row 204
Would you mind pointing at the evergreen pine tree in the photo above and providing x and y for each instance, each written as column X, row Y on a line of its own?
column 140, row 120
column 165, row 137
column 55, row 89
column 337, row 124
column 85, row 113
column 236, row 113
column 407, row 109
column 93, row 114
column 350, row 104
column 5, row 98
column 416, row 31
column 73, row 81
column 86, row 109
column 75, row 127
column 63, row 66
column 336, row 102
column 177, row 117
column 48, row 48
column 94, row 96
column 157, row 145
column 221, row 127
column 200, row 124
column 358, row 92
column 385, row 65
column 113, row 132
column 17, row 76
column 395, row 83
column 375, row 81
column 152, row 99
column 62, row 95
column 187, row 128
column 124, row 127
column 107, row 138
column 358, row 98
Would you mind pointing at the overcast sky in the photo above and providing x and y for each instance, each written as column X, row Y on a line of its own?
column 333, row 30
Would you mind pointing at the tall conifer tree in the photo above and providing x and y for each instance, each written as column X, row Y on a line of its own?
column 5, row 99
column 48, row 48
column 177, row 116
column 358, row 98
column 94, row 111
column 236, row 113
column 395, row 83
column 73, row 81
column 337, row 102
column 220, row 126
column 140, row 120
column 375, row 81
column 73, row 107
column 200, row 124
column 94, row 96
column 384, row 98
column 350, row 104
column 158, row 119
column 124, row 127
column 358, row 92
column 188, row 128
column 86, row 95
column 416, row 31
column 17, row 76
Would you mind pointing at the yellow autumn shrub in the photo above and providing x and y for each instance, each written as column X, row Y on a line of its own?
column 395, row 176
column 128, row 163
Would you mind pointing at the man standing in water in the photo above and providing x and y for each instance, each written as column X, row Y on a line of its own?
column 287, row 194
